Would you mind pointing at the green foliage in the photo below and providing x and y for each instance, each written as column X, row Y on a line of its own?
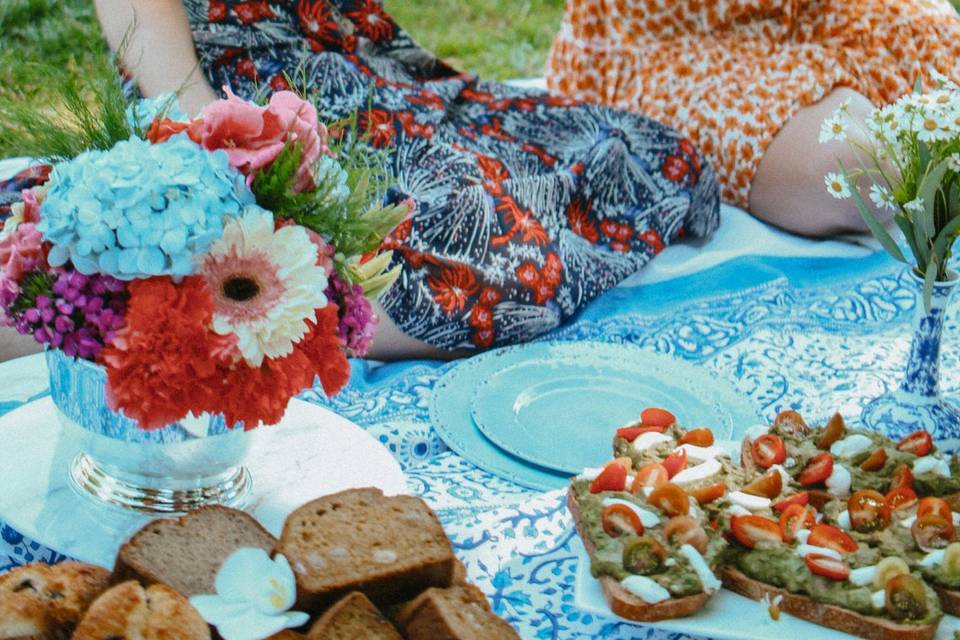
column 34, row 284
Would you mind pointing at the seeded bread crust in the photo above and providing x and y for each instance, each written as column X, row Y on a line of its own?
column 460, row 612
column 130, row 611
column 949, row 600
column 622, row 602
column 185, row 554
column 353, row 616
column 868, row 627
column 40, row 601
column 388, row 548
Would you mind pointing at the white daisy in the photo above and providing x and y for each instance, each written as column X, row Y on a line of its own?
column 837, row 186
column 833, row 128
column 914, row 206
column 953, row 162
column 265, row 283
column 941, row 80
column 881, row 196
column 932, row 126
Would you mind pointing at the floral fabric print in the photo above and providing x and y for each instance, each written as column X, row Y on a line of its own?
column 729, row 74
column 530, row 205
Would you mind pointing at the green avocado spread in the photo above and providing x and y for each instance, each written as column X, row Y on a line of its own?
column 677, row 575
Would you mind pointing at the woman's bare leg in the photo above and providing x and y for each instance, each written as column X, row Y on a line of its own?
column 788, row 190
column 14, row 345
column 391, row 343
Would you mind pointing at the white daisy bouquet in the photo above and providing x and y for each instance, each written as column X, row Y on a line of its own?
column 220, row 264
column 913, row 147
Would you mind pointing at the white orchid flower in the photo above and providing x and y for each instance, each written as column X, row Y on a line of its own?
column 253, row 596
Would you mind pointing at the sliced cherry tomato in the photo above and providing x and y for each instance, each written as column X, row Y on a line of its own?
column 919, row 443
column 905, row 598
column 650, row 475
column 868, row 511
column 683, row 530
column 709, row 493
column 794, row 518
column 701, row 437
column 618, row 519
column 632, row 433
column 768, row 450
column 612, row 478
column 932, row 531
column 902, row 477
column 752, row 530
column 767, row 486
column 793, row 422
column 830, row 537
column 828, row 567
column 936, row 506
column 834, row 431
column 671, row 499
column 644, row 556
column 676, row 462
column 902, row 498
column 817, row 471
column 657, row 417
column 876, row 460
column 802, row 498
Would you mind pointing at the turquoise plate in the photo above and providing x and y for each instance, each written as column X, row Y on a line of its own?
column 557, row 405
column 568, row 419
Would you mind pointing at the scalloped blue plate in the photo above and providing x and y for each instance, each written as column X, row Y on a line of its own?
column 537, row 413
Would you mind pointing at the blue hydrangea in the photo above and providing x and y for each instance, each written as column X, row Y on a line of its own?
column 141, row 113
column 328, row 173
column 140, row 209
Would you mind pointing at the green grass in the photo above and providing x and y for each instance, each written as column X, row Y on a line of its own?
column 495, row 38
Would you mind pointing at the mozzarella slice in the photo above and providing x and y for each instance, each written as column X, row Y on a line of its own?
column 851, row 445
column 707, row 577
column 803, row 535
column 878, row 599
column 803, row 550
column 650, row 439
column 702, row 471
column 648, row 518
column 704, row 453
column 784, row 476
column 863, row 576
column 590, row 473
column 737, row 510
column 646, row 589
column 934, row 558
column 838, row 483
column 843, row 521
column 748, row 501
column 908, row 522
column 756, row 431
column 789, row 463
column 932, row 464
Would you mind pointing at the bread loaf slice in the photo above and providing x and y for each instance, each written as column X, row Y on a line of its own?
column 867, row 627
column 185, row 554
column 389, row 548
column 130, row 611
column 40, row 601
column 460, row 612
column 353, row 617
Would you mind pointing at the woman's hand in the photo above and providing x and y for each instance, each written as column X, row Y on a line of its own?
column 159, row 50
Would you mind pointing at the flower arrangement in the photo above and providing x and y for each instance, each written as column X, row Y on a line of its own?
column 913, row 148
column 219, row 265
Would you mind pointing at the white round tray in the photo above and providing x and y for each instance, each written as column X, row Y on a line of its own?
column 312, row 452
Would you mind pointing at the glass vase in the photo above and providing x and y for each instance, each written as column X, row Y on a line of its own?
column 917, row 404
column 171, row 470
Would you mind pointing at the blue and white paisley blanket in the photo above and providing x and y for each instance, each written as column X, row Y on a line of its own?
column 818, row 334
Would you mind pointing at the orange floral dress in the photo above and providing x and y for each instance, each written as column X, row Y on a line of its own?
column 729, row 74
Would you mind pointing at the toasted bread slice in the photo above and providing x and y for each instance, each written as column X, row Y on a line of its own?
column 868, row 627
column 949, row 600
column 625, row 604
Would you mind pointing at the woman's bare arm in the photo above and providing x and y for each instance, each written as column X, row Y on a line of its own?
column 159, row 48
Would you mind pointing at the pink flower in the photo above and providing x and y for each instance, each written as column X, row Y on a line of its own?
column 32, row 199
column 254, row 136
column 20, row 253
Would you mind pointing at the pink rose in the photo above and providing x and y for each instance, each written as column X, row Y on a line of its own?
column 32, row 199
column 254, row 136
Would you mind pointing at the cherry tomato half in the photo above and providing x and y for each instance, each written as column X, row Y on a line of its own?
column 682, row 530
column 868, row 511
column 701, row 437
column 632, row 433
column 644, row 556
column 932, row 532
column 936, row 506
column 769, row 485
column 794, row 518
column 828, row 567
column 709, row 493
column 612, row 478
column 793, row 422
column 905, row 598
column 671, row 499
column 657, row 417
column 833, row 431
column 919, row 443
column 902, row 498
column 618, row 519
column 902, row 477
column 830, row 537
column 818, row 469
column 768, row 450
column 676, row 462
column 802, row 498
column 752, row 530
column 650, row 475
column 876, row 460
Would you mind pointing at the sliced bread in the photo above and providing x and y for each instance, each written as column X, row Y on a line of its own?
column 185, row 554
column 389, row 548
column 130, row 611
column 47, row 601
column 353, row 617
column 460, row 612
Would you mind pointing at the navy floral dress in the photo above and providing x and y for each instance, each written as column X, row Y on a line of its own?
column 530, row 205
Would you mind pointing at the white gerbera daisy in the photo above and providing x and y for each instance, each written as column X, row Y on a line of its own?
column 265, row 283
column 837, row 186
column 881, row 196
column 833, row 128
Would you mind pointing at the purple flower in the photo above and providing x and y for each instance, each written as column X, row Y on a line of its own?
column 357, row 323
